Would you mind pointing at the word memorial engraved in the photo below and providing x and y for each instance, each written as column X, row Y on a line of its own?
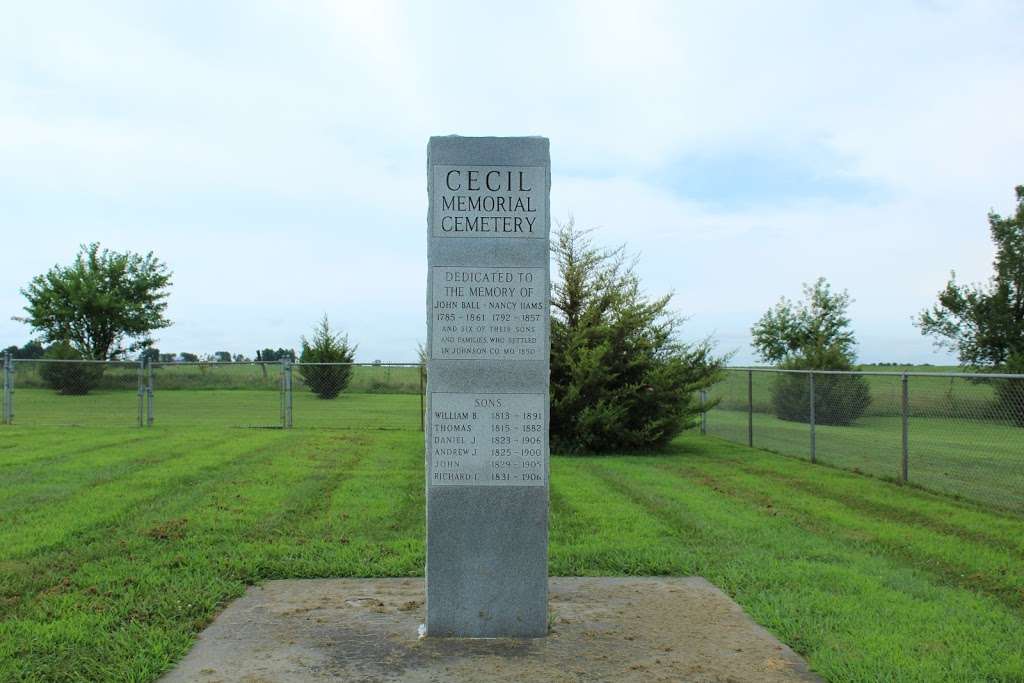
column 490, row 201
column 488, row 299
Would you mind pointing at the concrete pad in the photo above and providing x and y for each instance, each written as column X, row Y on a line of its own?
column 602, row 629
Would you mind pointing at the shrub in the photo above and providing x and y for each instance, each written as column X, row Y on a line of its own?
column 813, row 334
column 1010, row 392
column 326, row 381
column 838, row 399
column 620, row 377
column 69, row 379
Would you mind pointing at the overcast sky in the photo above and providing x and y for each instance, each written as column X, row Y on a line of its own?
column 273, row 153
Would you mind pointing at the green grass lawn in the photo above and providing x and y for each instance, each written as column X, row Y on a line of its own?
column 118, row 545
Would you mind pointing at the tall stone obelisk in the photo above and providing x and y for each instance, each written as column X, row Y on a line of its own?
column 488, row 298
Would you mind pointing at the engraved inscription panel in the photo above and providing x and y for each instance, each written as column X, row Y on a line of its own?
column 488, row 313
column 489, row 201
column 487, row 439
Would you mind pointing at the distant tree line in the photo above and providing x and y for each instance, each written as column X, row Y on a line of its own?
column 621, row 377
column 30, row 351
column 35, row 350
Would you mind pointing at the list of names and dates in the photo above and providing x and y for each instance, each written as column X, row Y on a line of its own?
column 487, row 439
column 488, row 313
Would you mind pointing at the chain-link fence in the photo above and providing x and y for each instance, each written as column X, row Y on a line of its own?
column 960, row 434
column 180, row 394
column 63, row 392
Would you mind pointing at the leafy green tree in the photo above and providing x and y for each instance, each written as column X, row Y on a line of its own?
column 326, row 346
column 150, row 355
column 984, row 323
column 222, row 356
column 620, row 377
column 816, row 326
column 66, row 377
column 104, row 304
column 813, row 334
column 187, row 357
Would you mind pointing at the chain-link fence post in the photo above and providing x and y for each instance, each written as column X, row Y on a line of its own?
column 286, row 393
column 905, row 418
column 814, row 435
column 12, row 378
column 750, row 408
column 149, row 393
column 282, row 391
column 142, row 390
column 8, row 381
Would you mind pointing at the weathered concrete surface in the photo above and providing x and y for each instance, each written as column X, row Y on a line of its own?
column 602, row 629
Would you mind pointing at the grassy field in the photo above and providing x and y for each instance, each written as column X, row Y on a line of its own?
column 117, row 546
column 190, row 408
column 929, row 396
column 976, row 459
column 202, row 376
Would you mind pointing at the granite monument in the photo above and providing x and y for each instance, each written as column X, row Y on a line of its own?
column 488, row 349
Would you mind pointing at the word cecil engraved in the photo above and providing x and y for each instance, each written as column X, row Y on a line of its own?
column 489, row 201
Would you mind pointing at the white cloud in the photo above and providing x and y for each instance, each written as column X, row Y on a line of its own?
column 206, row 136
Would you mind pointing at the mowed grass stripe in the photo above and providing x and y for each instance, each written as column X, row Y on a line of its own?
column 188, row 461
column 48, row 567
column 375, row 523
column 19, row 446
column 824, row 596
column 970, row 516
column 896, row 505
column 269, row 540
column 194, row 559
column 362, row 525
column 881, row 501
column 951, row 559
column 604, row 533
column 43, row 485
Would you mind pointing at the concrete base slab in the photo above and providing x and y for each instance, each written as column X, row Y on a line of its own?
column 602, row 629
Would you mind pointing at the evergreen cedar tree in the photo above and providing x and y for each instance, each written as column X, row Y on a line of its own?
column 812, row 334
column 326, row 346
column 102, row 306
column 984, row 323
column 621, row 379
